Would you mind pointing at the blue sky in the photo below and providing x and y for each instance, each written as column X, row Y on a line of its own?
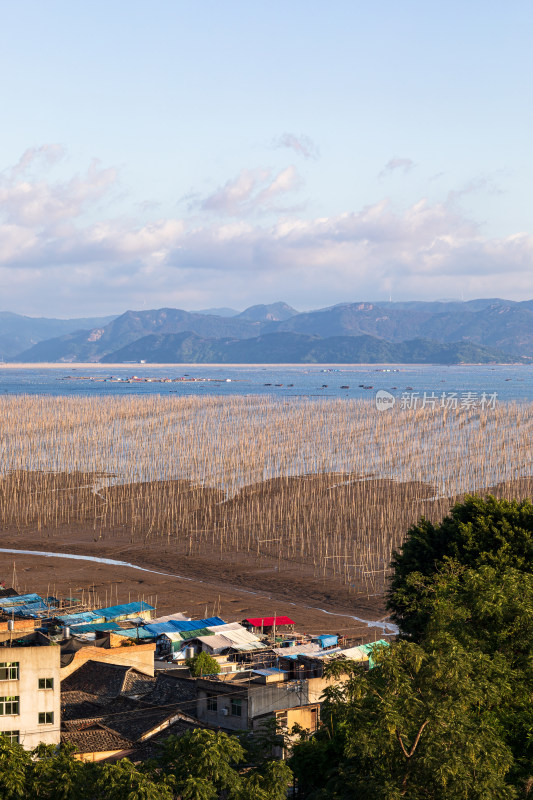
column 228, row 153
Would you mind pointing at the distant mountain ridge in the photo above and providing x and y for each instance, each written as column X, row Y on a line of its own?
column 18, row 332
column 279, row 348
column 498, row 327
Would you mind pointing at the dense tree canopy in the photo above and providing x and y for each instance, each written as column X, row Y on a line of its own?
column 477, row 532
column 448, row 710
column 201, row 765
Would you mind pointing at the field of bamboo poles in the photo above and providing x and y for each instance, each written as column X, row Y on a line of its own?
column 331, row 485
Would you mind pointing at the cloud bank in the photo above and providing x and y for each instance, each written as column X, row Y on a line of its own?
column 60, row 256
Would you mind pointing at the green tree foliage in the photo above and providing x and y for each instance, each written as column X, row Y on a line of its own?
column 201, row 765
column 420, row 725
column 477, row 532
column 202, row 664
column 448, row 710
column 203, row 758
column 55, row 775
column 124, row 781
column 491, row 611
column 14, row 766
column 266, row 783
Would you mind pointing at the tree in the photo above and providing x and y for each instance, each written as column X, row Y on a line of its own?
column 420, row 725
column 202, row 664
column 490, row 611
column 202, row 763
column 124, row 781
column 266, row 783
column 14, row 766
column 477, row 532
column 56, row 775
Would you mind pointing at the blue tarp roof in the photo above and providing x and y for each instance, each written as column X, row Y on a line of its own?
column 79, row 618
column 96, row 626
column 367, row 648
column 132, row 633
column 123, row 610
column 327, row 640
column 177, row 626
column 37, row 609
column 21, row 599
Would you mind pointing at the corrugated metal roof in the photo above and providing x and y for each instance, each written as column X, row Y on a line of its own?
column 123, row 610
column 174, row 636
column 234, row 640
column 257, row 622
column 226, row 626
column 270, row 671
column 311, row 648
column 178, row 616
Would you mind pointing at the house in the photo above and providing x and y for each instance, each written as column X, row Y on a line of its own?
column 30, row 690
column 306, row 718
column 227, row 639
column 106, row 648
column 267, row 625
column 109, row 710
column 236, row 701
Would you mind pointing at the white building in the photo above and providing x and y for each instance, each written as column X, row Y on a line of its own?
column 30, row 691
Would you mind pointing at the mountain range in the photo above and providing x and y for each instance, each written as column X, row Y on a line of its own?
column 483, row 330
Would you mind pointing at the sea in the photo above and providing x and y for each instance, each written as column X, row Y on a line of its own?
column 481, row 384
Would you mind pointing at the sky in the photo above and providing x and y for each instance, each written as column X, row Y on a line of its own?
column 207, row 154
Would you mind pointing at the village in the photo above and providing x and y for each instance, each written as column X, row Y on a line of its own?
column 114, row 681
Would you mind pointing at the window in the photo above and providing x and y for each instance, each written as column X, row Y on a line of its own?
column 13, row 736
column 9, row 705
column 236, row 707
column 9, row 671
column 46, row 683
column 212, row 704
column 46, row 717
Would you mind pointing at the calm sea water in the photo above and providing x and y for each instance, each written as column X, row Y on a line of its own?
column 506, row 382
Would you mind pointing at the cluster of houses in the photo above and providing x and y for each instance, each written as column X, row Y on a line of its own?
column 114, row 681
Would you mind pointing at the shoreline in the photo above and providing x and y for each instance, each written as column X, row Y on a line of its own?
column 75, row 365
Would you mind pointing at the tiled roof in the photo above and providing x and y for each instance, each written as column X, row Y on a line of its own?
column 168, row 690
column 151, row 748
column 96, row 738
column 107, row 681
column 79, row 705
column 95, row 677
column 136, row 683
column 133, row 724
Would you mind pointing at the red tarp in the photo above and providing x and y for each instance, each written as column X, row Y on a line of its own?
column 269, row 621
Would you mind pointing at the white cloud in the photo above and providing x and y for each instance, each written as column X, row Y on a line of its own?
column 54, row 258
column 302, row 145
column 405, row 164
column 252, row 191
column 31, row 202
